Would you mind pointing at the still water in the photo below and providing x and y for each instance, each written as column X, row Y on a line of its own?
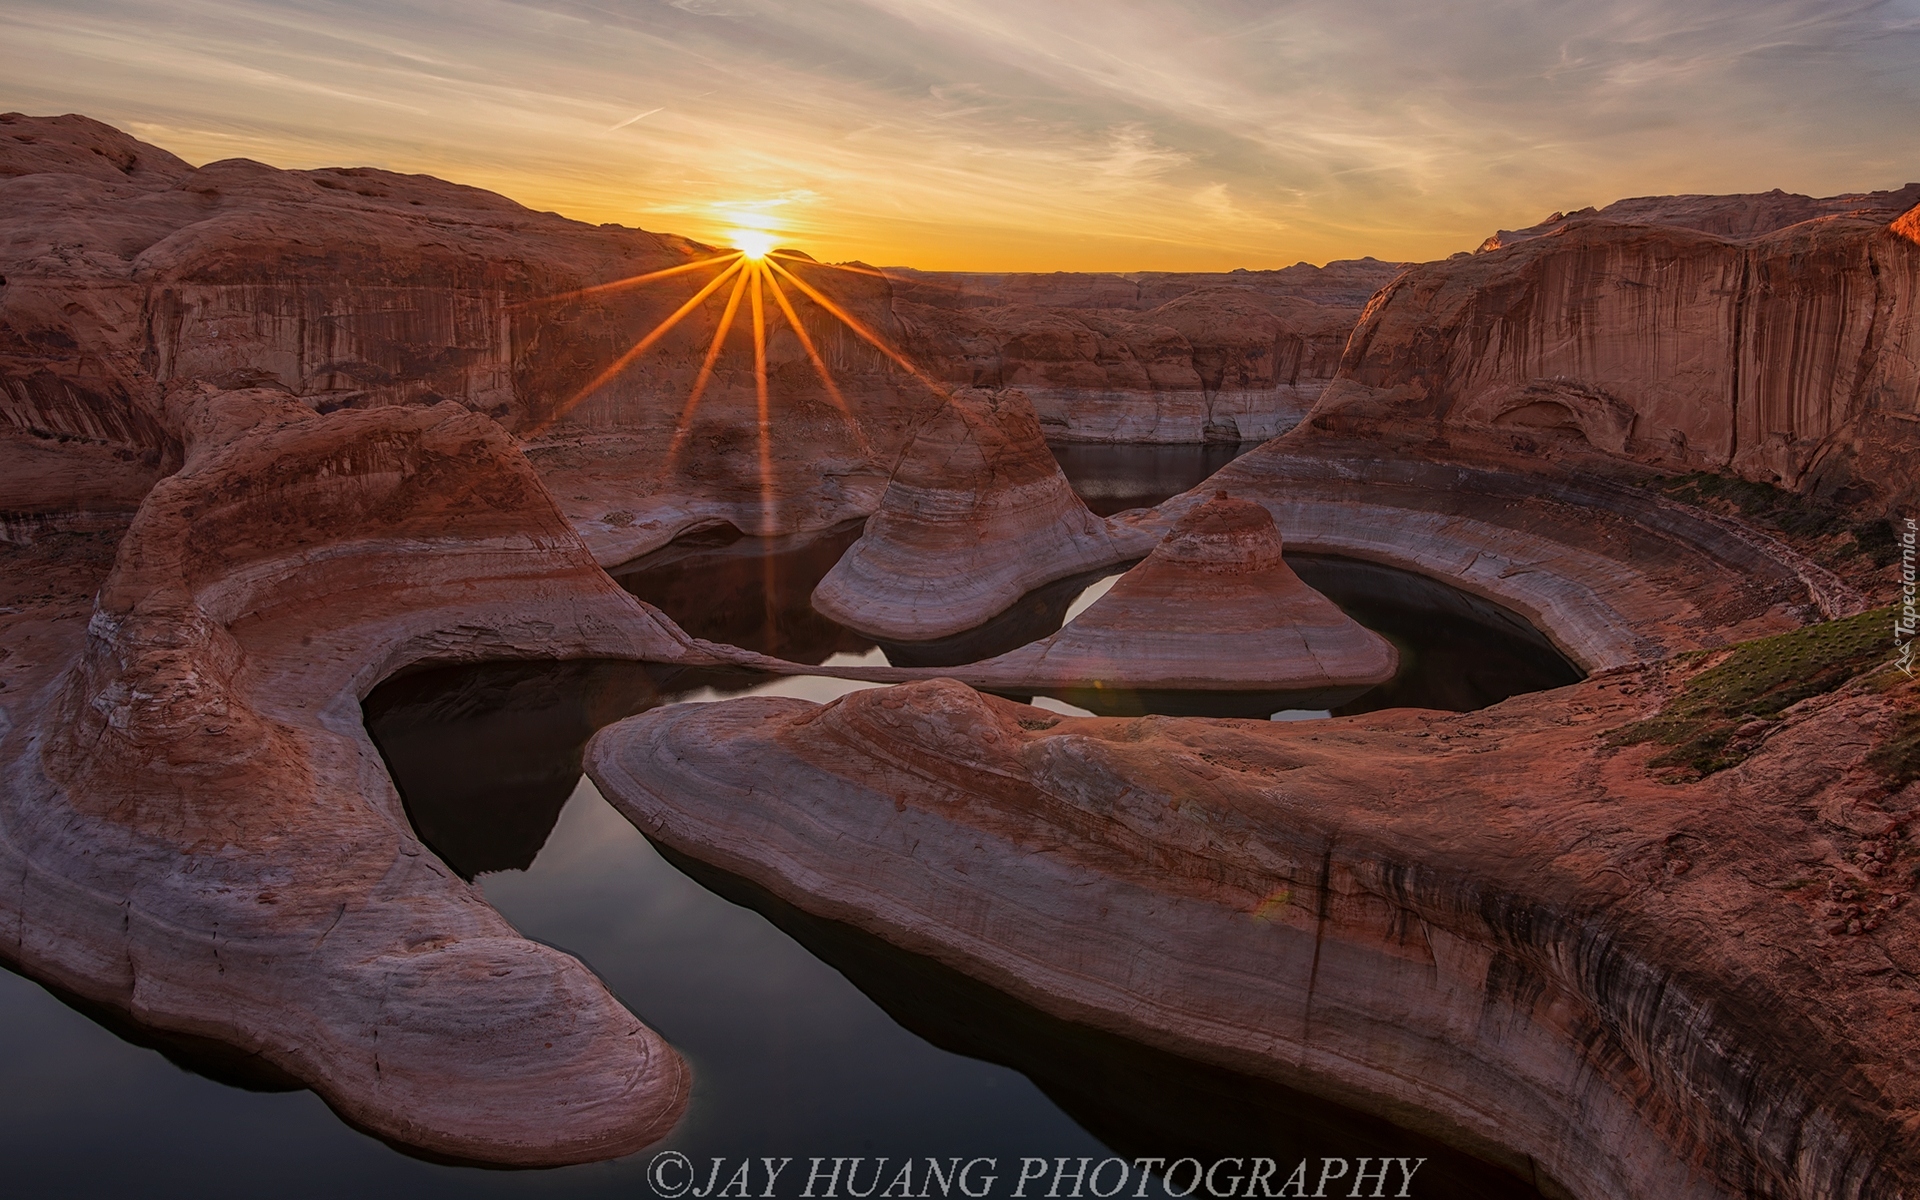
column 806, row 1038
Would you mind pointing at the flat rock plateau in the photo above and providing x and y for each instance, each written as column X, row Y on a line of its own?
column 270, row 437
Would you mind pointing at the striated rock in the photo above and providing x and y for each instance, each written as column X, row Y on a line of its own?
column 129, row 274
column 1496, row 928
column 1213, row 609
column 1493, row 926
column 203, row 840
column 1148, row 357
column 1775, row 337
column 1735, row 217
column 1615, row 574
column 976, row 515
column 1611, row 574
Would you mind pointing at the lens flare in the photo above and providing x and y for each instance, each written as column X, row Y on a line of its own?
column 756, row 272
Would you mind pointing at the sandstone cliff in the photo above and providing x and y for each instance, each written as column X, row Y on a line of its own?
column 1774, row 336
column 976, row 515
column 200, row 837
column 1150, row 357
column 126, row 274
column 1499, row 928
column 1215, row 609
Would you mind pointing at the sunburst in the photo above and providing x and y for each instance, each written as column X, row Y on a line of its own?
column 755, row 270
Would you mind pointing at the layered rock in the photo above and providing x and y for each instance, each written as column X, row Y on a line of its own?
column 1214, row 609
column 1613, row 574
column 976, row 515
column 1496, row 928
column 1772, row 336
column 1147, row 357
column 129, row 274
column 203, row 840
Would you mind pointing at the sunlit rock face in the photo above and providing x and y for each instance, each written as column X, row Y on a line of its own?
column 1214, row 608
column 1151, row 357
column 1775, row 336
column 976, row 515
column 1498, row 927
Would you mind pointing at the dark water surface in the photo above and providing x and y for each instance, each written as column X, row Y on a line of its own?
column 1112, row 479
column 806, row 1037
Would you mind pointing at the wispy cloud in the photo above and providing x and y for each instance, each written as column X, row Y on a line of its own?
column 1004, row 133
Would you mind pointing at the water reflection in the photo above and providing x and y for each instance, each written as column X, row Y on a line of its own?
column 742, row 1010
column 789, row 1059
column 752, row 592
column 485, row 800
column 1137, row 1100
column 1111, row 479
column 486, row 755
column 1457, row 652
column 1035, row 615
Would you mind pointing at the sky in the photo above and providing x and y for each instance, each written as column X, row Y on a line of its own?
column 1016, row 134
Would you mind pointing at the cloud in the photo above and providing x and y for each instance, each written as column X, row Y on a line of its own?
column 1117, row 134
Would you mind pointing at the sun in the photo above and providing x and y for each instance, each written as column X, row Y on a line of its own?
column 754, row 243
column 757, row 273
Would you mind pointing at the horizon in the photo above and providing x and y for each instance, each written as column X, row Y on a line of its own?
column 983, row 136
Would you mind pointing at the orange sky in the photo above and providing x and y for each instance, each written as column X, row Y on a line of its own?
column 1013, row 135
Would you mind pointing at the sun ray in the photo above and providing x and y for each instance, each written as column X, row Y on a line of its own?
column 754, row 270
column 819, row 364
column 632, row 280
column 700, row 382
column 758, row 272
column 854, row 323
column 643, row 345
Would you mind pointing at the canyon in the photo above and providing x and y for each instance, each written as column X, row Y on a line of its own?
column 268, row 438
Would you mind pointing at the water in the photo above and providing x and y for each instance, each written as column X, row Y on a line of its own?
column 1113, row 479
column 1457, row 652
column 915, row 1059
column 806, row 1038
column 789, row 1059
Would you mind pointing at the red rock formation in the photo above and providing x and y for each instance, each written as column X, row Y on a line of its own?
column 1495, row 927
column 129, row 274
column 1143, row 358
column 976, row 515
column 203, row 839
column 1213, row 609
column 1612, row 573
column 1776, row 337
column 1735, row 217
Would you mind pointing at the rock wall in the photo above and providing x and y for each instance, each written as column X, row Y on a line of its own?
column 976, row 515
column 1776, row 337
column 126, row 274
column 1496, row 927
column 1148, row 357
column 199, row 837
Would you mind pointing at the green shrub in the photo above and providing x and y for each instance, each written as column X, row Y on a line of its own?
column 1758, row 680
